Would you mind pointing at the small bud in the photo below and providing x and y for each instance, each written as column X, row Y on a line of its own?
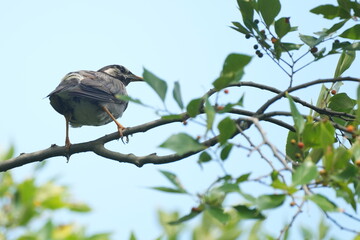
column 333, row 92
column 287, row 20
column 185, row 123
column 301, row 144
column 292, row 204
column 274, row 40
column 293, row 141
column 226, row 91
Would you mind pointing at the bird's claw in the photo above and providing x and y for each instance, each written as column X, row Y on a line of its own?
column 122, row 136
column 67, row 145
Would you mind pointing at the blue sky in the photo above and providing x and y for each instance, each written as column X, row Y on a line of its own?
column 185, row 41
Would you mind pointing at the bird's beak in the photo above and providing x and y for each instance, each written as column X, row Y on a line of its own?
column 135, row 78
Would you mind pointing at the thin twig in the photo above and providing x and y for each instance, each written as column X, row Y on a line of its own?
column 287, row 227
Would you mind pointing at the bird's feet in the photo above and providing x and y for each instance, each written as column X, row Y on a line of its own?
column 121, row 128
column 67, row 145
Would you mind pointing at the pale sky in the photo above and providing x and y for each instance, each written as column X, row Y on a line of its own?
column 185, row 41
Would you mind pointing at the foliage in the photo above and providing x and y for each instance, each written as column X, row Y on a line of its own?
column 322, row 148
column 319, row 166
column 27, row 209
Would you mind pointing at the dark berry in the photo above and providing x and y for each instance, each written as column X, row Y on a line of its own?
column 260, row 55
column 314, row 50
column 247, row 36
column 256, row 46
column 257, row 52
column 337, row 41
column 256, row 21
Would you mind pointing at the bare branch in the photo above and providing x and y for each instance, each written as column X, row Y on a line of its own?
column 55, row 151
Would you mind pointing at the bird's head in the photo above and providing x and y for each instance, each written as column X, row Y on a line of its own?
column 121, row 73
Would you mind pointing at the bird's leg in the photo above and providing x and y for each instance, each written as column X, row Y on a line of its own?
column 119, row 126
column 67, row 139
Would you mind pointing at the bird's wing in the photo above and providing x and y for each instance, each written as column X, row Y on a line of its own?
column 91, row 85
column 71, row 80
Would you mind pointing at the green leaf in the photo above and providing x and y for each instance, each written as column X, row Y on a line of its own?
column 194, row 107
column 309, row 40
column 341, row 102
column 27, row 191
column 225, row 151
column 290, row 46
column 282, row 27
column 341, row 158
column 185, row 218
column 336, row 27
column 305, row 173
column 270, row 201
column 227, row 129
column 204, row 157
column 232, row 71
column 210, row 114
column 182, row 143
column 246, row 213
column 219, row 214
column 229, row 187
column 269, row 9
column 328, row 11
column 177, row 95
column 345, row 61
column 358, row 103
column 278, row 50
column 169, row 190
column 78, row 207
column 156, row 83
column 243, row 178
column 173, row 179
column 292, row 150
column 128, row 99
column 132, row 236
column 281, row 185
column 322, row 202
column 247, row 12
column 248, row 197
column 297, row 117
column 316, row 154
column 240, row 28
column 9, row 154
column 352, row 33
column 318, row 134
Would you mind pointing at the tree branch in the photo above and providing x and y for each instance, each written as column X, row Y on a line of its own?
column 55, row 151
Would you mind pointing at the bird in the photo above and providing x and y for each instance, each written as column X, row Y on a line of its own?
column 92, row 98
